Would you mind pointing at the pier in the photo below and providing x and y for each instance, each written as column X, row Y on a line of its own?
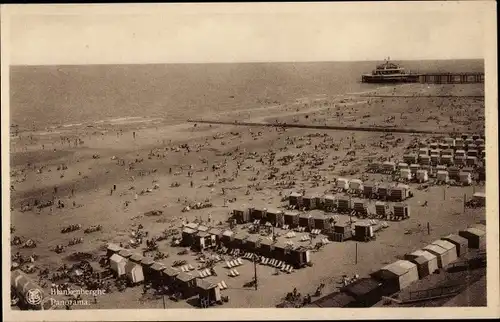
column 451, row 78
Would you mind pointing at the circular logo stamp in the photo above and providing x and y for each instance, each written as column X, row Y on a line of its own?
column 34, row 296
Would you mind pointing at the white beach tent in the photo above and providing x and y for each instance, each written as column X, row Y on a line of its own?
column 426, row 262
column 401, row 272
column 117, row 264
column 444, row 256
column 343, row 183
column 134, row 272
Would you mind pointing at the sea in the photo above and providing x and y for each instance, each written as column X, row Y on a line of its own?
column 48, row 97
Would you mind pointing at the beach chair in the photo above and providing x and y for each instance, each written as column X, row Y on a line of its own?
column 266, row 260
column 233, row 263
column 228, row 265
column 279, row 264
column 290, row 270
column 240, row 261
column 224, row 285
column 191, row 268
column 201, row 274
column 231, row 273
column 236, row 273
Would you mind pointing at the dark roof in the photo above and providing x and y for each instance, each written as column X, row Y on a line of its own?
column 185, row 277
column 147, row 261
column 136, row 257
column 337, row 299
column 361, row 287
column 456, row 239
column 125, row 253
column 170, row 271
column 205, row 285
column 158, row 266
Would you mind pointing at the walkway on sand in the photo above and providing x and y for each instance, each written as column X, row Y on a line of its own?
column 474, row 295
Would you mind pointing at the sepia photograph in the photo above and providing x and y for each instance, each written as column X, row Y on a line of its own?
column 311, row 156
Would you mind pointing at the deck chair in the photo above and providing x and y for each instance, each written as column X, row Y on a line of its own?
column 184, row 268
column 191, row 268
column 231, row 273
column 240, row 261
column 262, row 259
column 228, row 265
column 290, row 270
column 202, row 274
column 265, row 261
column 283, row 266
column 233, row 264
column 224, row 284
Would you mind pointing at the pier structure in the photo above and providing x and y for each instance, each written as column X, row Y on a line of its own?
column 451, row 78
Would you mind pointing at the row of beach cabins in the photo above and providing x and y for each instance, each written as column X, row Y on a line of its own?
column 422, row 173
column 201, row 238
column 415, row 266
column 139, row 269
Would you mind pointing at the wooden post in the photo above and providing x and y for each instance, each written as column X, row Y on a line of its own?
column 444, row 192
column 163, row 297
column 428, row 228
column 356, row 253
column 255, row 269
column 465, row 196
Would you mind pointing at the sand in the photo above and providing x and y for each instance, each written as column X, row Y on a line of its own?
column 157, row 148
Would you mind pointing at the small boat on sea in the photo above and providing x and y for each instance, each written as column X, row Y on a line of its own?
column 389, row 73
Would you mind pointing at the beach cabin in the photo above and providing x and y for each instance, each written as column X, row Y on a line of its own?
column 401, row 210
column 188, row 236
column 444, row 256
column 146, row 263
column 461, row 244
column 202, row 240
column 336, row 299
column 311, row 201
column 400, row 193
column 460, row 153
column 383, row 191
column 125, row 253
column 186, row 284
column 363, row 231
column 274, row 216
column 112, row 249
column 136, row 258
column 329, row 203
column 238, row 240
column 381, row 209
column 258, row 214
column 344, row 204
column 295, row 199
column 472, row 150
column 169, row 274
column 356, row 185
column 476, row 238
column 460, row 160
column 134, row 272
column 208, row 293
column 405, row 174
column 403, row 166
column 469, row 142
column 454, row 173
column 306, row 220
column 443, row 146
column 157, row 275
column 227, row 238
column 215, row 236
column 465, row 178
column 479, row 141
column 414, row 168
column 433, row 146
column 446, row 160
column 424, row 159
column 117, row 265
column 341, row 232
column 369, row 190
column 320, row 221
column 242, row 215
column 451, row 249
column 388, row 167
column 435, row 159
column 291, row 218
column 397, row 276
column 374, row 167
column 422, row 176
column 410, row 158
column 266, row 247
column 366, row 292
column 252, row 243
column 281, row 250
column 342, row 183
column 299, row 256
column 449, row 141
column 479, row 198
column 423, row 151
column 360, row 206
column 426, row 262
column 471, row 161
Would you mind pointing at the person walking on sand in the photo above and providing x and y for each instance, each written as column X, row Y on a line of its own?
column 133, row 134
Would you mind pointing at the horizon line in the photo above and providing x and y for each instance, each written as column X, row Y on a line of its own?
column 241, row 62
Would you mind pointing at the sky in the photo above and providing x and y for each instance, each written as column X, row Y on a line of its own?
column 198, row 33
